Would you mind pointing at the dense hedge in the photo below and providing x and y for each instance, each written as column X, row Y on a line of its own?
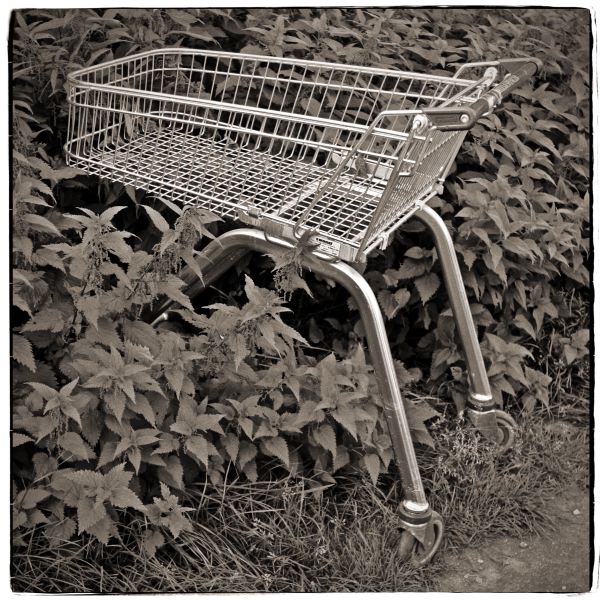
column 110, row 415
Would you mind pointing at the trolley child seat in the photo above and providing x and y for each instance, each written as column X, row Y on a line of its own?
column 338, row 154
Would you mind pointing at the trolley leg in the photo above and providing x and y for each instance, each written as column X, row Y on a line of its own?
column 418, row 520
column 480, row 403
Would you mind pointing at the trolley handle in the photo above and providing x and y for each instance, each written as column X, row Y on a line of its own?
column 462, row 118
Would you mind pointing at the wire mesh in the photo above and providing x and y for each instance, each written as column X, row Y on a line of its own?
column 283, row 144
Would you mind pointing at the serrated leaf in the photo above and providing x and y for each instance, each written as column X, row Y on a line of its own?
column 324, row 435
column 200, row 448
column 496, row 254
column 346, row 417
column 240, row 349
column 125, row 498
column 90, row 307
column 31, row 497
column 373, row 465
column 72, row 442
column 48, row 319
column 89, row 513
column 22, row 352
column 408, row 270
column 116, row 244
column 40, row 223
column 142, row 334
column 177, row 522
column 172, row 474
column 116, row 401
column 276, row 446
column 157, row 219
column 231, row 443
column 18, row 439
column 247, row 452
column 342, row 458
column 427, row 285
column 172, row 289
column 60, row 531
column 104, row 529
column 152, row 540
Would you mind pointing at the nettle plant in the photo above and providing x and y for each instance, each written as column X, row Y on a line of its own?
column 116, row 407
column 112, row 417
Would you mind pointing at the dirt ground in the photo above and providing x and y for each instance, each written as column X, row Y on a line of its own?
column 556, row 562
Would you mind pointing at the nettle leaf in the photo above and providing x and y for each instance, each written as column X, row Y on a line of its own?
column 277, row 447
column 373, row 466
column 74, row 444
column 410, row 269
column 231, row 443
column 324, row 435
column 151, row 541
column 172, row 473
column 427, row 285
column 60, row 531
column 41, row 224
column 247, row 453
column 104, row 529
column 171, row 288
column 418, row 413
column 30, row 497
column 346, row 417
column 157, row 219
column 200, row 449
column 18, row 439
column 22, row 352
column 89, row 512
column 141, row 334
column 391, row 303
column 123, row 497
column 116, row 401
column 90, row 307
column 48, row 319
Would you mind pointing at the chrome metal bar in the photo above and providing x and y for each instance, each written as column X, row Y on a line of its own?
column 222, row 252
column 480, row 391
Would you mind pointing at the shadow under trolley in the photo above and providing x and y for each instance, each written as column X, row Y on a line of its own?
column 332, row 156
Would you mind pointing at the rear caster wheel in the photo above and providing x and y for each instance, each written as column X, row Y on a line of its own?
column 420, row 553
column 506, row 430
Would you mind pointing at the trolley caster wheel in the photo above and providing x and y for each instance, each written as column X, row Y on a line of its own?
column 506, row 430
column 420, row 553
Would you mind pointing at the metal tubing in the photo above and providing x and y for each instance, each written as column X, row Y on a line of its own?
column 480, row 392
column 219, row 255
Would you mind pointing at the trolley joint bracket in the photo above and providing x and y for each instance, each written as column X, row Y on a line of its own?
column 484, row 421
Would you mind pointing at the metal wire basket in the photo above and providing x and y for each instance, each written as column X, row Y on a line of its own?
column 344, row 152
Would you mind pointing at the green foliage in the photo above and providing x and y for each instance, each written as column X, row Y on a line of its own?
column 111, row 415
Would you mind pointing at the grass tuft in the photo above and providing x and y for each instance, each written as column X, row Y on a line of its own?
column 294, row 535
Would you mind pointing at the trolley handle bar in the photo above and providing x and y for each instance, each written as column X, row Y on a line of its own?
column 462, row 118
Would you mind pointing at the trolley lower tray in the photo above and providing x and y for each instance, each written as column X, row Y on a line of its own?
column 224, row 177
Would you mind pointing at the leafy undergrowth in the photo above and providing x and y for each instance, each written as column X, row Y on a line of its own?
column 290, row 534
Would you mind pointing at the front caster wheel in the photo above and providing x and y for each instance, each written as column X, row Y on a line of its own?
column 421, row 552
column 506, row 430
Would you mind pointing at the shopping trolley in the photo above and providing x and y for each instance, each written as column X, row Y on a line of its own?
column 335, row 156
